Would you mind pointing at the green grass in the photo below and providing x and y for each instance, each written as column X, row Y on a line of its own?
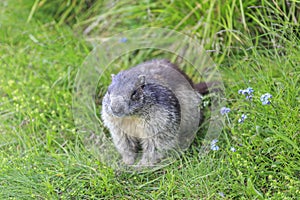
column 42, row 154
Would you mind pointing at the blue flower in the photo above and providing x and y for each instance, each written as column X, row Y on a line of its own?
column 232, row 149
column 250, row 90
column 213, row 142
column 265, row 98
column 224, row 110
column 215, row 148
column 222, row 194
column 213, row 145
column 247, row 92
column 242, row 119
column 249, row 97
column 123, row 40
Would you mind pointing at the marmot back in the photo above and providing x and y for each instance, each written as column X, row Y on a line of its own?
column 153, row 106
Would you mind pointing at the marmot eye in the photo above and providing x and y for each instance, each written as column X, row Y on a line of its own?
column 134, row 95
column 137, row 93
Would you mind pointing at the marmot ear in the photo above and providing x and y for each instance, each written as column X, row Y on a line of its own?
column 141, row 79
column 112, row 76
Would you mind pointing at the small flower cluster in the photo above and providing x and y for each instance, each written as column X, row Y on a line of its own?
column 242, row 119
column 224, row 110
column 214, row 146
column 247, row 92
column 265, row 98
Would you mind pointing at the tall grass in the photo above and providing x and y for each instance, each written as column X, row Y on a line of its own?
column 223, row 26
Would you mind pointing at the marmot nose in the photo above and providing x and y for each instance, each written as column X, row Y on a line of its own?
column 117, row 110
column 117, row 106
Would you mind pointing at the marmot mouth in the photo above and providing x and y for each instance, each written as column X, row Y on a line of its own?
column 117, row 114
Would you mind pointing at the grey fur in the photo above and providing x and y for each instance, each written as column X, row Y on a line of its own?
column 152, row 105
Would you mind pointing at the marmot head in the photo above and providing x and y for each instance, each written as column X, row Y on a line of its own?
column 125, row 95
